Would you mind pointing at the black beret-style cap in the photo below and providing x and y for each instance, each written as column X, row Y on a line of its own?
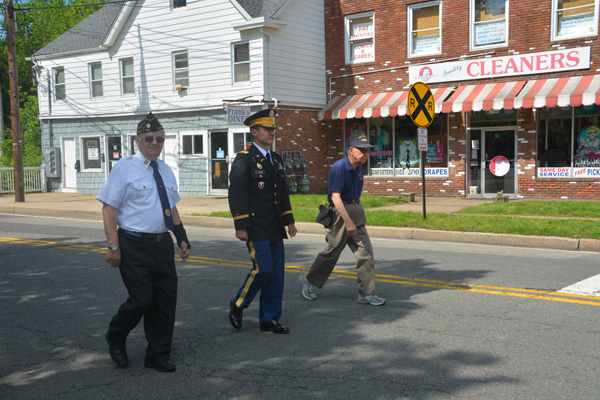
column 265, row 118
column 149, row 124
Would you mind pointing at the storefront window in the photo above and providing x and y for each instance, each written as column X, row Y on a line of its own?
column 381, row 159
column 569, row 142
column 395, row 142
column 90, row 154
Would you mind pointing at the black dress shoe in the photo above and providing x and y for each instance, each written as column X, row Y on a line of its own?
column 274, row 326
column 117, row 352
column 235, row 315
column 160, row 365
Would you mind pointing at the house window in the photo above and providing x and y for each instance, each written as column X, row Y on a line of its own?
column 489, row 23
column 360, row 38
column 90, row 154
column 179, row 3
column 574, row 18
column 96, row 79
column 424, row 29
column 241, row 62
column 60, row 92
column 127, row 79
column 192, row 143
column 181, row 74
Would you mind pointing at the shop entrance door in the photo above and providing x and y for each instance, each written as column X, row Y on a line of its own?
column 114, row 152
column 499, row 162
column 219, row 167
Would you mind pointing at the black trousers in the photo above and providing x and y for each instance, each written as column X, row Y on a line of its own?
column 148, row 271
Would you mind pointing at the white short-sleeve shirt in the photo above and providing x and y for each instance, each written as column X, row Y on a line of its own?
column 131, row 189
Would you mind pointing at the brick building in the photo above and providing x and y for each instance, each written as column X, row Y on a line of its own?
column 515, row 85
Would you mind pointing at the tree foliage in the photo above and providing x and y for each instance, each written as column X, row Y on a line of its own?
column 38, row 22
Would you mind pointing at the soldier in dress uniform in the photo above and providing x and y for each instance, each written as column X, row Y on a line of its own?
column 261, row 209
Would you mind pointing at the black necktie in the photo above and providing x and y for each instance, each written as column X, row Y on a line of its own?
column 162, row 193
column 269, row 158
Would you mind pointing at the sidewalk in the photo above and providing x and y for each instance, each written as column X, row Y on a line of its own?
column 87, row 207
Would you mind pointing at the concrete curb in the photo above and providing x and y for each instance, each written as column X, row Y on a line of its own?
column 498, row 239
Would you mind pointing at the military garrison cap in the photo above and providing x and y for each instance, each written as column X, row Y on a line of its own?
column 149, row 124
column 264, row 118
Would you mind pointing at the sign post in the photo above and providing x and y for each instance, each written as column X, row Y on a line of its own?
column 421, row 108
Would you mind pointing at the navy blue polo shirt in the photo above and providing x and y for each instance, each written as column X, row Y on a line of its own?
column 345, row 180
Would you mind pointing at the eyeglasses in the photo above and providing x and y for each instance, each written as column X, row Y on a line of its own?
column 363, row 150
column 150, row 139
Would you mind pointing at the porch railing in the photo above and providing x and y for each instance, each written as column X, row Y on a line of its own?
column 34, row 179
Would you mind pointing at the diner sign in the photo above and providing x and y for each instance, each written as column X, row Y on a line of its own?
column 500, row 67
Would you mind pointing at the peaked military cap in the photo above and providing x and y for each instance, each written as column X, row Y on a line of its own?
column 149, row 124
column 264, row 118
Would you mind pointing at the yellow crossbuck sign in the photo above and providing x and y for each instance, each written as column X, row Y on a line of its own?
column 421, row 105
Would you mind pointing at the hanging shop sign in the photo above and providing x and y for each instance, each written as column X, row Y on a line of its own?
column 500, row 67
column 236, row 115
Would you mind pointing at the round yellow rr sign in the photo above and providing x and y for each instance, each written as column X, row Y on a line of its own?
column 421, row 104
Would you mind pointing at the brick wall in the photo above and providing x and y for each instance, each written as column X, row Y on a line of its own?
column 529, row 32
column 300, row 130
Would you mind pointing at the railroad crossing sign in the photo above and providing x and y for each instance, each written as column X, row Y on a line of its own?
column 421, row 105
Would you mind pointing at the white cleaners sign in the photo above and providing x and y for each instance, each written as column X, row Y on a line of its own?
column 499, row 67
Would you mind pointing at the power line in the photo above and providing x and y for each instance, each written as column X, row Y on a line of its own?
column 74, row 5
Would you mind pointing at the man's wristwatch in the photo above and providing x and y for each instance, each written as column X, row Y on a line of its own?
column 114, row 247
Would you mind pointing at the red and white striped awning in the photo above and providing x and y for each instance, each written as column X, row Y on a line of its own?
column 491, row 96
column 376, row 104
column 560, row 92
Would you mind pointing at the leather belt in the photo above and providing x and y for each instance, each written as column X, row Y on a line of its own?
column 156, row 237
column 357, row 201
column 346, row 202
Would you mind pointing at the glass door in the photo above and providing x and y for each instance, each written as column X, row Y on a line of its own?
column 114, row 151
column 219, row 168
column 499, row 162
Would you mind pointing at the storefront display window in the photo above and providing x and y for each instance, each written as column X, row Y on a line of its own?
column 396, row 152
column 569, row 143
column 90, row 154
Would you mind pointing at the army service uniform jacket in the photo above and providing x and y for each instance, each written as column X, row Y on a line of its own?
column 258, row 196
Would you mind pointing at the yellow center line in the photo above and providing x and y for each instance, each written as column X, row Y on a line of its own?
column 548, row 295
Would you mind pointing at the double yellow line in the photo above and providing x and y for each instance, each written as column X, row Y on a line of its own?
column 547, row 295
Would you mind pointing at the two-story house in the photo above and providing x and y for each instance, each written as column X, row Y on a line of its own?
column 200, row 67
column 515, row 84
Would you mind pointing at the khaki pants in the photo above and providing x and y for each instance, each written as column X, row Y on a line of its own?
column 337, row 238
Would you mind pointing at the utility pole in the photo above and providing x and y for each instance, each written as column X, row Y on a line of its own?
column 15, row 118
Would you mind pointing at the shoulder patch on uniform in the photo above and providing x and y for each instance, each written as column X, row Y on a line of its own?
column 244, row 152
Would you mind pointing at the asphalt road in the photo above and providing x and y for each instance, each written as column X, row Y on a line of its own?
column 462, row 321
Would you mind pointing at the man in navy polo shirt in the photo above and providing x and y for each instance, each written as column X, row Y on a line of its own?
column 347, row 227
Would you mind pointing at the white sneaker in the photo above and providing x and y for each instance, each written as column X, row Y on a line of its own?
column 307, row 289
column 371, row 299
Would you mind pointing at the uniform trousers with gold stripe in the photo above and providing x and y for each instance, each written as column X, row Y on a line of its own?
column 267, row 276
